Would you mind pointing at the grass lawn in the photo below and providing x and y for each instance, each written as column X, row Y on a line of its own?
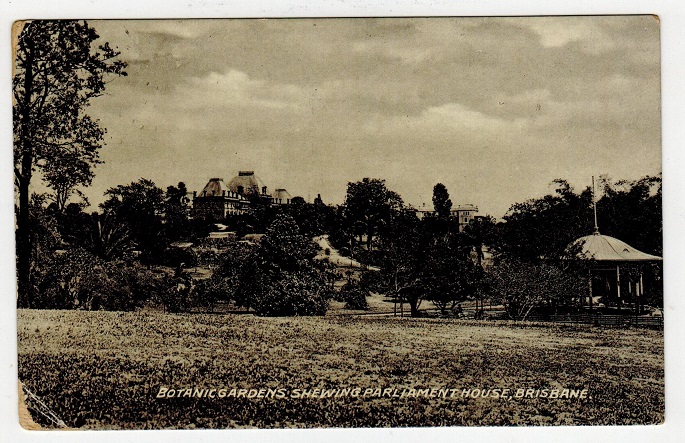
column 105, row 369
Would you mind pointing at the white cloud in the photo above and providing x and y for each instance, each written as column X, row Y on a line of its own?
column 234, row 88
column 453, row 118
column 459, row 116
column 490, row 108
column 556, row 32
column 177, row 28
column 396, row 50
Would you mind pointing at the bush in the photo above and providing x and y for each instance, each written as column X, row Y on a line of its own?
column 296, row 294
column 522, row 287
column 175, row 294
column 77, row 279
column 281, row 277
column 354, row 296
column 372, row 281
column 208, row 292
column 173, row 257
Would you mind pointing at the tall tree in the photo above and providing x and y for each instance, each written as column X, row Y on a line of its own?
column 176, row 212
column 631, row 211
column 64, row 173
column 403, row 253
column 57, row 73
column 443, row 275
column 441, row 201
column 479, row 233
column 544, row 227
column 136, row 209
column 369, row 205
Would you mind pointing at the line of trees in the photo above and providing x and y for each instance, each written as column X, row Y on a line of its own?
column 68, row 257
column 419, row 259
column 426, row 259
column 532, row 267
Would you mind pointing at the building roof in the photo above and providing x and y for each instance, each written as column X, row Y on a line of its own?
column 466, row 207
column 215, row 187
column 248, row 181
column 604, row 248
column 282, row 195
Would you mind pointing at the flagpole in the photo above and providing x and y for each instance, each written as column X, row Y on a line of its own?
column 594, row 204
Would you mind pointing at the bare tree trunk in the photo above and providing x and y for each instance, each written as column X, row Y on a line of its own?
column 24, row 247
column 24, row 244
column 414, row 306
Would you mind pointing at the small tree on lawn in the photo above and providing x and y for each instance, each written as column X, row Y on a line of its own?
column 354, row 295
column 225, row 279
column 523, row 286
column 402, row 260
column 444, row 277
column 282, row 277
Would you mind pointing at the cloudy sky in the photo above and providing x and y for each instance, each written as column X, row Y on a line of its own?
column 494, row 108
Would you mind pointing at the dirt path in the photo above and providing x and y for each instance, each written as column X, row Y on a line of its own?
column 335, row 257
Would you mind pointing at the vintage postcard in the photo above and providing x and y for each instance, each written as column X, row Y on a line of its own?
column 338, row 222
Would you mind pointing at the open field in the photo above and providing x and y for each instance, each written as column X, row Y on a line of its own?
column 104, row 370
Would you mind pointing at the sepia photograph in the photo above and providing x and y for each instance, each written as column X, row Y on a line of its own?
column 369, row 222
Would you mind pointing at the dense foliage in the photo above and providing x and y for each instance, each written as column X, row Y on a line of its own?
column 429, row 258
column 176, row 212
column 76, row 279
column 354, row 295
column 137, row 207
column 281, row 276
column 58, row 71
column 544, row 227
column 369, row 206
column 523, row 286
column 631, row 211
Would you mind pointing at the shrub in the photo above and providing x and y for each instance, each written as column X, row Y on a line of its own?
column 354, row 296
column 372, row 281
column 522, row 287
column 208, row 292
column 175, row 294
column 296, row 294
column 281, row 276
column 173, row 257
column 77, row 279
